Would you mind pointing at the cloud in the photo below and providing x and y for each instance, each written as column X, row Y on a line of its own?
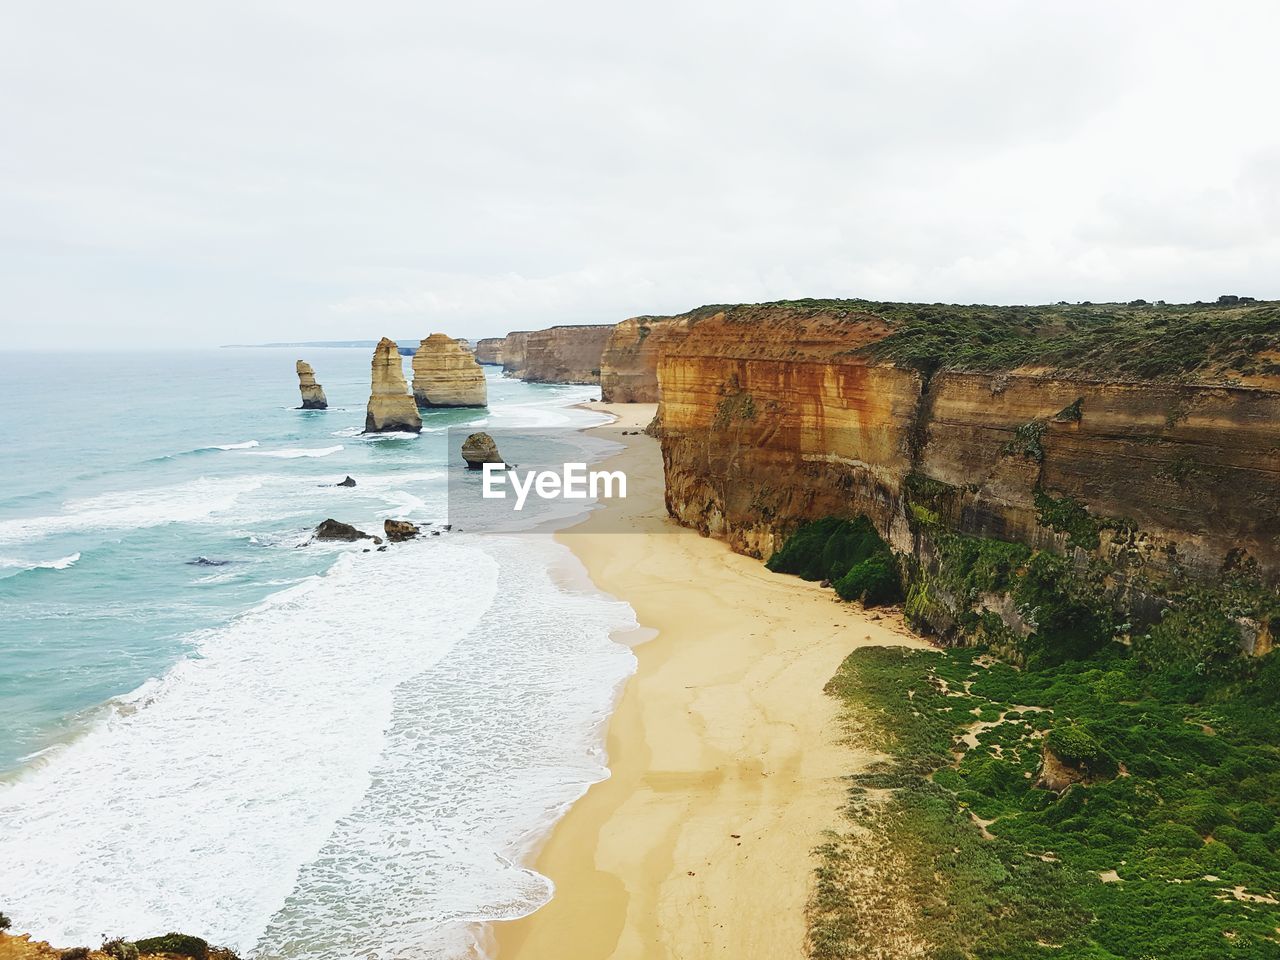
column 288, row 170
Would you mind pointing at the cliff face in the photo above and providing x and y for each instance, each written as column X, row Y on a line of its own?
column 565, row 354
column 313, row 397
column 489, row 350
column 391, row 406
column 629, row 364
column 445, row 374
column 775, row 415
column 513, row 353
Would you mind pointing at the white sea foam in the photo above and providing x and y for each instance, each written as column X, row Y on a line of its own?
column 9, row 563
column 293, row 453
column 248, row 444
column 195, row 803
column 185, row 503
column 485, row 750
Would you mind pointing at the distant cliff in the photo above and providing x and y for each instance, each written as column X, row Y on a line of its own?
column 629, row 364
column 564, row 354
column 1142, row 439
column 513, row 353
column 489, row 350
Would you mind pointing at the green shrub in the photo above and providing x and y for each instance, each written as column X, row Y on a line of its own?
column 802, row 553
column 1075, row 746
column 874, row 581
column 119, row 949
column 176, row 943
column 5, row 922
column 1068, row 626
column 1197, row 636
column 1255, row 818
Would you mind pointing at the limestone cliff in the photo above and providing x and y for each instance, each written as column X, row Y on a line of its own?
column 629, row 364
column 391, row 406
column 513, row 353
column 489, row 350
column 1146, row 439
column 313, row 397
column 565, row 354
column 445, row 374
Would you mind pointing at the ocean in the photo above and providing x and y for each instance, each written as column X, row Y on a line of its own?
column 293, row 749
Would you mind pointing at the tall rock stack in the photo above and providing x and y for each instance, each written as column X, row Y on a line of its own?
column 445, row 374
column 313, row 397
column 391, row 406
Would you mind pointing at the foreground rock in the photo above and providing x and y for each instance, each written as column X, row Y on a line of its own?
column 479, row 449
column 391, row 407
column 348, row 482
column 337, row 530
column 313, row 397
column 445, row 374
column 398, row 531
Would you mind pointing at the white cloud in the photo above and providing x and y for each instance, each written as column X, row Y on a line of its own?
column 313, row 170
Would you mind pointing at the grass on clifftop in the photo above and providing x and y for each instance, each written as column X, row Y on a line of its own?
column 1138, row 340
column 1170, row 850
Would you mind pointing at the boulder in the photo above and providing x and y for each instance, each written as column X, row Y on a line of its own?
column 445, row 374
column 391, row 407
column 312, row 393
column 336, row 530
column 398, row 531
column 348, row 482
column 479, row 449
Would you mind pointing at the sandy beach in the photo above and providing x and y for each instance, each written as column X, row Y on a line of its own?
column 726, row 756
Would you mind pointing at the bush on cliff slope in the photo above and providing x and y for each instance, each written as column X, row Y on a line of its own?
column 850, row 554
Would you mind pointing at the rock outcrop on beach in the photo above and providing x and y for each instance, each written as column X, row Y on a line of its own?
column 489, row 350
column 313, row 397
column 629, row 363
column 1145, row 439
column 398, row 531
column 445, row 374
column 391, row 406
column 479, row 449
column 336, row 530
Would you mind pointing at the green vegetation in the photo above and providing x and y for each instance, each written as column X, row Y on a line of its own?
column 180, row 944
column 967, row 856
column 849, row 554
column 119, row 949
column 1143, row 341
column 734, row 406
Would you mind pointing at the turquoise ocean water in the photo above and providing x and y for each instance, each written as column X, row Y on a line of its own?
column 298, row 750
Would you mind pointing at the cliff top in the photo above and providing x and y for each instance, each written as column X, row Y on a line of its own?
column 1236, row 339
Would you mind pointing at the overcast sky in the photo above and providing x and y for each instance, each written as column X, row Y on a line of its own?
column 214, row 172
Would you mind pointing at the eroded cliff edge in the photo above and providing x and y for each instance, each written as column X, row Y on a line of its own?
column 1140, row 442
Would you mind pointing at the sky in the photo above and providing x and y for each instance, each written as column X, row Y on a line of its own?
column 202, row 173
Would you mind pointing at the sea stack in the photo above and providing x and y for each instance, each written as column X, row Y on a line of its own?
column 312, row 393
column 445, row 374
column 479, row 449
column 391, row 407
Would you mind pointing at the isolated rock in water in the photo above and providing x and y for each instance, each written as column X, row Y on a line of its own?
column 391, row 408
column 398, row 531
column 479, row 449
column 345, row 483
column 445, row 374
column 336, row 530
column 207, row 562
column 312, row 393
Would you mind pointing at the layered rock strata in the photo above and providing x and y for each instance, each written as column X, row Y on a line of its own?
column 565, row 354
column 313, row 397
column 629, row 364
column 776, row 414
column 445, row 374
column 391, row 406
column 489, row 350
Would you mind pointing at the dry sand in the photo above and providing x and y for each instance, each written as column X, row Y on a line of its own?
column 725, row 754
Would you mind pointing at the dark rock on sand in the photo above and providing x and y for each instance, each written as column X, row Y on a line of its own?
column 336, row 530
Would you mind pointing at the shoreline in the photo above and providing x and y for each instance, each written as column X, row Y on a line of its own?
column 726, row 758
